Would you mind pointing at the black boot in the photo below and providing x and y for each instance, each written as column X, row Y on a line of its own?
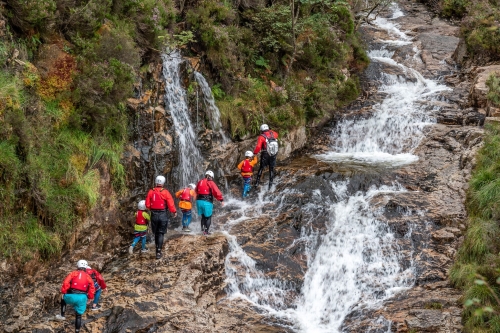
column 78, row 323
column 257, row 179
column 271, row 177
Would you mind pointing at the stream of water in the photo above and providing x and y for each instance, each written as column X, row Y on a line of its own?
column 355, row 263
column 190, row 166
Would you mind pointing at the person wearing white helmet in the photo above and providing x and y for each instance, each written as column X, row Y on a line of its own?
column 141, row 227
column 186, row 196
column 246, row 166
column 158, row 200
column 267, row 144
column 206, row 190
column 77, row 288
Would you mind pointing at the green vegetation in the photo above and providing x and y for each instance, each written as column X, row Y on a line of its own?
column 275, row 67
column 434, row 306
column 479, row 25
column 59, row 128
column 67, row 68
column 477, row 265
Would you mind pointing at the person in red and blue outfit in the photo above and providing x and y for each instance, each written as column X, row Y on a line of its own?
column 77, row 288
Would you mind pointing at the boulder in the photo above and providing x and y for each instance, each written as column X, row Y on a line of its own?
column 479, row 89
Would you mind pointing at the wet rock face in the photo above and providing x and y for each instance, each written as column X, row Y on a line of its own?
column 180, row 292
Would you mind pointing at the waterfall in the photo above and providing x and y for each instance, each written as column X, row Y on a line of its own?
column 190, row 165
column 395, row 129
column 355, row 264
column 214, row 112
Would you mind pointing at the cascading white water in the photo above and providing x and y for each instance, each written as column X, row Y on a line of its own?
column 214, row 112
column 355, row 264
column 395, row 129
column 190, row 159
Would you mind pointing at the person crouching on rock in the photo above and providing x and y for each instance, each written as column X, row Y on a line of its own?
column 186, row 196
column 157, row 201
column 246, row 167
column 77, row 287
column 140, row 227
column 99, row 285
column 206, row 190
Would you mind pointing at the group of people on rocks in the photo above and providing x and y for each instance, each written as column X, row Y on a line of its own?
column 159, row 199
column 85, row 284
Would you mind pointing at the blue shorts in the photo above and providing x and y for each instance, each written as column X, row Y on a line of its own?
column 77, row 301
column 204, row 207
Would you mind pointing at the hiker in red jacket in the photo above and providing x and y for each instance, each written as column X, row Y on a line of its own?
column 268, row 144
column 76, row 289
column 157, row 201
column 99, row 285
column 206, row 191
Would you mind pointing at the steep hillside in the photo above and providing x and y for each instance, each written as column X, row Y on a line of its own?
column 67, row 68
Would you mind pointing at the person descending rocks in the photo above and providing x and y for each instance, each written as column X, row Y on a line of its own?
column 76, row 289
column 99, row 285
column 267, row 144
column 206, row 190
column 246, row 167
column 186, row 197
column 158, row 200
column 140, row 227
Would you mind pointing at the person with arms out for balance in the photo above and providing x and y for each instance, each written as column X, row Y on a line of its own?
column 206, row 190
column 77, row 288
column 157, row 201
column 246, row 167
column 268, row 144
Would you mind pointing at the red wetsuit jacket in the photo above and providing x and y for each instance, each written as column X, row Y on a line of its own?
column 98, row 277
column 79, row 280
column 261, row 141
column 165, row 195
column 207, row 190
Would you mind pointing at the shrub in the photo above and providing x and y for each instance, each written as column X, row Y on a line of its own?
column 32, row 14
column 82, row 17
column 454, row 8
column 493, row 84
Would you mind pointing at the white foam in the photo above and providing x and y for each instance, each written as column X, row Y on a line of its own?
column 372, row 158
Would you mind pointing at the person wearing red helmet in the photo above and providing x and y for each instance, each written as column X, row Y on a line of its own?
column 267, row 144
column 158, row 200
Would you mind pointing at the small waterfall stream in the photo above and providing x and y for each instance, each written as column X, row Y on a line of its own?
column 209, row 100
column 190, row 165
